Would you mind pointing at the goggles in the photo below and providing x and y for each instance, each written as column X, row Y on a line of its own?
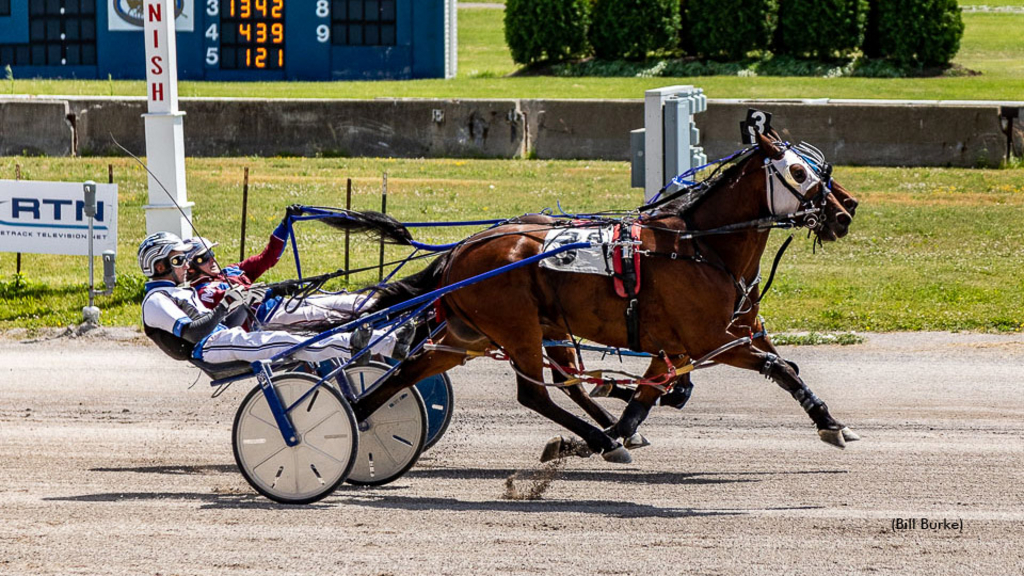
column 178, row 260
column 204, row 258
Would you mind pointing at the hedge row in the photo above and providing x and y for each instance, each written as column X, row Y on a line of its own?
column 908, row 32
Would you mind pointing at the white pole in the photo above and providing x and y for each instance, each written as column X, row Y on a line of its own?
column 168, row 210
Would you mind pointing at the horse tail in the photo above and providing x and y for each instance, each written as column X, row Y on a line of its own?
column 409, row 287
column 380, row 225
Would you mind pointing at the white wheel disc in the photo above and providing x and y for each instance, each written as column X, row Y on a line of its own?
column 391, row 439
column 320, row 461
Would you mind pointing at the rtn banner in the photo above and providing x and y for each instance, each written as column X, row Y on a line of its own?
column 49, row 218
column 128, row 15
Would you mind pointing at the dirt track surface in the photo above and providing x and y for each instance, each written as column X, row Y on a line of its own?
column 112, row 465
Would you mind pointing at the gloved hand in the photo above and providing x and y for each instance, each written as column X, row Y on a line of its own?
column 256, row 294
column 293, row 211
column 235, row 297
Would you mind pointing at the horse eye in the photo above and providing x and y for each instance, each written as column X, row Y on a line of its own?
column 798, row 173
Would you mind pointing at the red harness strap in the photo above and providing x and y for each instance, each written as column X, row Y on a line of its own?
column 617, row 264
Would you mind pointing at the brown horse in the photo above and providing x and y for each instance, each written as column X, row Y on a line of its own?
column 701, row 259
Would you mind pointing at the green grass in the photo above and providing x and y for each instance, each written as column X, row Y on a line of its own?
column 931, row 249
column 992, row 44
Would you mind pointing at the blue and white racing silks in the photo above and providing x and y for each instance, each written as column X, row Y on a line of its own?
column 162, row 309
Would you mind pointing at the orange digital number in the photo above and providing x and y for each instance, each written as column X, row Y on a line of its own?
column 231, row 8
column 245, row 30
column 261, row 57
column 277, row 33
column 276, row 6
column 246, row 8
column 280, row 58
column 248, row 57
column 261, row 7
column 261, row 32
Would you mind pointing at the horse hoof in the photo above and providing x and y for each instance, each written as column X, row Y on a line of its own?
column 849, row 435
column 558, row 448
column 833, row 437
column 552, row 450
column 618, row 455
column 635, row 441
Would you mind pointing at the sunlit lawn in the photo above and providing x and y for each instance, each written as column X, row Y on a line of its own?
column 930, row 248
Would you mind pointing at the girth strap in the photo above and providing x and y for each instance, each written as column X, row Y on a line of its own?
column 626, row 280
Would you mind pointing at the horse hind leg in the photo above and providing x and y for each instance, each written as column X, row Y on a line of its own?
column 566, row 357
column 529, row 368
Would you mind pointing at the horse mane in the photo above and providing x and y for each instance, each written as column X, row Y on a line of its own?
column 688, row 199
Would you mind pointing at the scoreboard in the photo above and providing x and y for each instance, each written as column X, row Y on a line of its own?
column 252, row 34
column 234, row 39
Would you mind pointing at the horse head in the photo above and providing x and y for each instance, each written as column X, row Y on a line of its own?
column 799, row 182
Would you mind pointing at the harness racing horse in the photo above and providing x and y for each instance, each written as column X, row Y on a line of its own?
column 701, row 258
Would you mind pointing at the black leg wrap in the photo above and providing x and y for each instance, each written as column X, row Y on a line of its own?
column 678, row 396
column 634, row 415
column 807, row 399
column 769, row 365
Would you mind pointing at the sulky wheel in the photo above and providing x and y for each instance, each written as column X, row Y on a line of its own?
column 324, row 455
column 392, row 438
column 439, row 398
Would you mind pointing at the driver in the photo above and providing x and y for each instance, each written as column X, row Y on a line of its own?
column 184, row 328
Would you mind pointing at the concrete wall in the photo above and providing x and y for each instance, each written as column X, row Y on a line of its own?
column 401, row 128
column 35, row 127
column 875, row 133
column 870, row 133
column 848, row 132
column 590, row 129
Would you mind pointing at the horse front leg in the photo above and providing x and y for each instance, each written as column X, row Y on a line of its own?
column 776, row 369
column 639, row 407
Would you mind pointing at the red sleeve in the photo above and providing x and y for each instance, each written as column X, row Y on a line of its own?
column 211, row 294
column 255, row 266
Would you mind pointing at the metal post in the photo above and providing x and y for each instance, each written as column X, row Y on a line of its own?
column 348, row 206
column 384, row 210
column 91, row 314
column 245, row 212
column 110, row 173
column 17, row 271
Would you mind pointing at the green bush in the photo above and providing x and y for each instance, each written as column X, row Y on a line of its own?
column 729, row 28
column 553, row 30
column 820, row 28
column 632, row 29
column 919, row 32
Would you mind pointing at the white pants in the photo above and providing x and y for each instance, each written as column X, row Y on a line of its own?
column 237, row 345
column 314, row 311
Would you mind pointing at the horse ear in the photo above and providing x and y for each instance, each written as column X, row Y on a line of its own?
column 769, row 146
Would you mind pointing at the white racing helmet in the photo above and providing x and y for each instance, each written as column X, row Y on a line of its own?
column 198, row 245
column 155, row 248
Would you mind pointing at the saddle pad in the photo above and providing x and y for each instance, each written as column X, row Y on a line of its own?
column 593, row 260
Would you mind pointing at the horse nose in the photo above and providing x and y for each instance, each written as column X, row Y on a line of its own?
column 850, row 204
column 844, row 220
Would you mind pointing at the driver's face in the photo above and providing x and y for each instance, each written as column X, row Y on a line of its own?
column 178, row 272
column 207, row 264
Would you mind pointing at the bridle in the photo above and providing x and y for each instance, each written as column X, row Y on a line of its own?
column 788, row 197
